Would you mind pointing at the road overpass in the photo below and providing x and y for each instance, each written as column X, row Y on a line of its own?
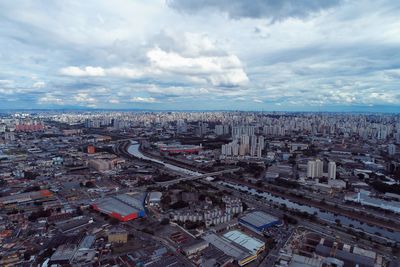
column 196, row 177
column 122, row 149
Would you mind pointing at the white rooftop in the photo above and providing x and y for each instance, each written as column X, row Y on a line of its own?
column 250, row 243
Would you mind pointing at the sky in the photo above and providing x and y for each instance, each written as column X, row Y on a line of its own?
column 295, row 55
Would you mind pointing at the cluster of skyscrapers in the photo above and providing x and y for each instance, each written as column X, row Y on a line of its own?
column 244, row 143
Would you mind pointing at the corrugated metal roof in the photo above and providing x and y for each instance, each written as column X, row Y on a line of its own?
column 250, row 243
column 122, row 204
column 258, row 218
column 225, row 246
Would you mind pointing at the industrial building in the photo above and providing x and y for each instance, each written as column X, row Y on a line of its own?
column 117, row 236
column 178, row 149
column 365, row 199
column 100, row 164
column 24, row 198
column 123, row 207
column 195, row 247
column 252, row 244
column 243, row 248
column 64, row 254
column 314, row 250
column 258, row 221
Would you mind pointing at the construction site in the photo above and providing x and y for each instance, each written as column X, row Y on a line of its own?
column 307, row 248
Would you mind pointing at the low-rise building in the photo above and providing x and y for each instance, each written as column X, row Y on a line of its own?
column 117, row 235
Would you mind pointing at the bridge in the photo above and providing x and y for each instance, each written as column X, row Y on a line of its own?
column 121, row 149
column 196, row 177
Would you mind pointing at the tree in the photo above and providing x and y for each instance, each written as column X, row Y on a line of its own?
column 114, row 221
column 89, row 184
column 361, row 176
column 292, row 159
column 79, row 211
column 289, row 219
column 39, row 214
column 165, row 221
column 166, row 200
column 179, row 205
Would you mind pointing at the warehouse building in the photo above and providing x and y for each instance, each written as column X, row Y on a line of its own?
column 63, row 255
column 195, row 247
column 123, row 207
column 251, row 244
column 258, row 221
column 26, row 198
column 243, row 248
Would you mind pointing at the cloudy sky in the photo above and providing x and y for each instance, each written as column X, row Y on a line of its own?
column 201, row 54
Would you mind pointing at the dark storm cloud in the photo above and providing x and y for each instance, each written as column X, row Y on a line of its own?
column 271, row 9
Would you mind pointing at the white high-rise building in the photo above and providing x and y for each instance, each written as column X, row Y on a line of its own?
column 261, row 142
column 245, row 140
column 226, row 129
column 219, row 130
column 181, row 126
column 391, row 149
column 259, row 151
column 235, row 149
column 311, row 167
column 253, row 139
column 332, row 170
column 398, row 137
column 253, row 150
column 2, row 128
column 319, row 168
column 315, row 168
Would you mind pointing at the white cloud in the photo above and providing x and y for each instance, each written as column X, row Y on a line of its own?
column 114, row 101
column 49, row 98
column 139, row 99
column 85, row 98
column 39, row 84
column 194, row 58
column 323, row 59
column 217, row 70
column 81, row 72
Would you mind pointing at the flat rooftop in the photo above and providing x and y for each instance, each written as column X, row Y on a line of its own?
column 122, row 204
column 28, row 196
column 64, row 252
column 250, row 243
column 226, row 246
column 258, row 218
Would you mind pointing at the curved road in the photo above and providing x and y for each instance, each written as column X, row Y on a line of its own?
column 133, row 149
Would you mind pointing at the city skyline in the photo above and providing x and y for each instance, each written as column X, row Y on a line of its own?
column 204, row 55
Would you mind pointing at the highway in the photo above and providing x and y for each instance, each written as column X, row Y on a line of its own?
column 133, row 151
